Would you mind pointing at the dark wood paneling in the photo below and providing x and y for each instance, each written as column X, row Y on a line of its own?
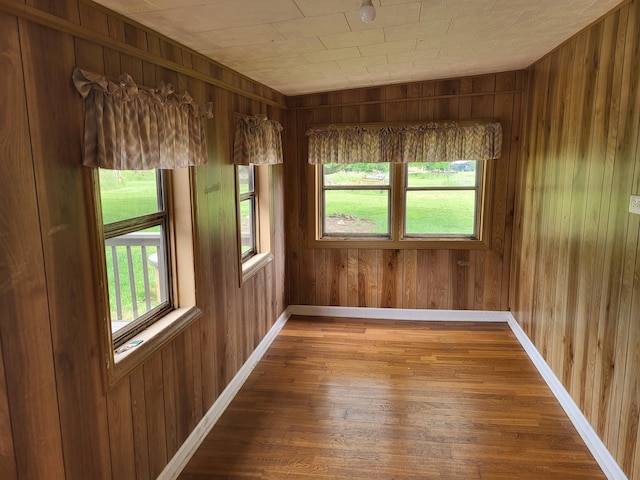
column 8, row 465
column 140, row 431
column 25, row 331
column 383, row 278
column 575, row 265
column 56, row 418
column 154, row 398
column 120, row 420
column 67, row 248
column 574, row 282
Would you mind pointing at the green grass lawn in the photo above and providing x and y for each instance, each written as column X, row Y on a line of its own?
column 127, row 194
column 427, row 212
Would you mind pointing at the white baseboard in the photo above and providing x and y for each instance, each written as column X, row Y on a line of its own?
column 599, row 451
column 193, row 441
column 400, row 314
column 606, row 461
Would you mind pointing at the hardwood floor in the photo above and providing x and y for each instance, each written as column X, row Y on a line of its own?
column 354, row 399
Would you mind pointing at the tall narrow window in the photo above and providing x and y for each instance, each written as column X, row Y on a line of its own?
column 247, row 206
column 257, row 145
column 136, row 226
column 138, row 142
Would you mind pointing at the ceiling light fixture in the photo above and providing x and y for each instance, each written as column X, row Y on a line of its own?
column 367, row 12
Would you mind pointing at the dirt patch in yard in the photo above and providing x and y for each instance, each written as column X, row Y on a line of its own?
column 344, row 223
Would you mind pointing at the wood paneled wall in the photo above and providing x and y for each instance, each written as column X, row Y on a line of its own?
column 56, row 419
column 574, row 281
column 576, row 269
column 439, row 279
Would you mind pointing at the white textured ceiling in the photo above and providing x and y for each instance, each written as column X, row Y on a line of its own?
column 308, row 46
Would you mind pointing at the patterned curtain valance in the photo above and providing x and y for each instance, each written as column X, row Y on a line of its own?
column 131, row 128
column 257, row 140
column 427, row 142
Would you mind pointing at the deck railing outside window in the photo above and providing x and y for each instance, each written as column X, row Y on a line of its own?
column 132, row 264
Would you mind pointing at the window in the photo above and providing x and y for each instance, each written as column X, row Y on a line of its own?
column 441, row 199
column 254, row 205
column 431, row 196
column 136, row 225
column 356, row 200
column 145, row 262
column 247, row 205
column 143, row 235
column 410, row 205
column 257, row 145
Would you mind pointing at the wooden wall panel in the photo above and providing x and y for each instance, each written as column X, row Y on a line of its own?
column 139, row 421
column 29, row 398
column 121, row 440
column 8, row 465
column 154, row 399
column 57, row 420
column 405, row 278
column 67, row 248
column 575, row 282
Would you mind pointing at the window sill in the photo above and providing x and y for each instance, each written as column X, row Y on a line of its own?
column 254, row 265
column 153, row 339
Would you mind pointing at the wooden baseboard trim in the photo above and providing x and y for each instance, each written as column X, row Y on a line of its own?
column 400, row 314
column 599, row 451
column 193, row 441
column 604, row 458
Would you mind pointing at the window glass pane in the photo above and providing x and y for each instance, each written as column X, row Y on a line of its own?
column 245, row 179
column 440, row 212
column 136, row 273
column 461, row 173
column 247, row 230
column 355, row 212
column 336, row 174
column 128, row 194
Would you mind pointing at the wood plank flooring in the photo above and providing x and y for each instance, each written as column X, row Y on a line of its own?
column 353, row 399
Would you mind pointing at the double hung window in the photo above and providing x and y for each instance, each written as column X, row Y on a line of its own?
column 247, row 205
column 405, row 186
column 442, row 200
column 394, row 203
column 136, row 226
column 138, row 143
column 356, row 200
column 257, row 145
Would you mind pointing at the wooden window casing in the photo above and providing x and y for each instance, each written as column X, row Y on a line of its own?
column 383, row 186
column 248, row 238
column 182, row 310
column 260, row 196
column 137, row 224
column 398, row 239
